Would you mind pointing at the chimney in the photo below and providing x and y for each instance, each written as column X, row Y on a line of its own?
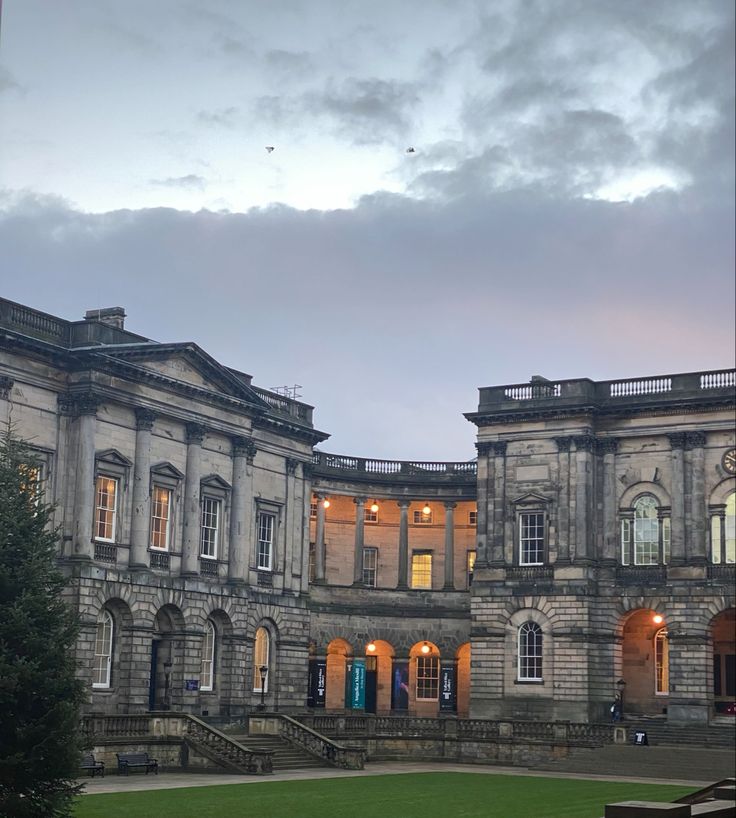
column 112, row 316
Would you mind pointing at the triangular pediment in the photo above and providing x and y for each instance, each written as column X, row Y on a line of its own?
column 115, row 457
column 184, row 364
column 216, row 482
column 167, row 470
column 530, row 499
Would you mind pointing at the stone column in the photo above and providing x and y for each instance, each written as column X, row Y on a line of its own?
column 563, row 512
column 192, row 509
column 84, row 492
column 403, row 544
column 450, row 545
column 319, row 541
column 677, row 443
column 359, row 535
column 243, row 452
column 696, row 547
column 481, row 527
column 498, row 487
column 583, row 479
column 139, row 529
column 609, row 447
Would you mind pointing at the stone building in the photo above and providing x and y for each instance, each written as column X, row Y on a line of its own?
column 220, row 562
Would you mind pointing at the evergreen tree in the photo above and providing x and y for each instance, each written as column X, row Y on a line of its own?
column 39, row 695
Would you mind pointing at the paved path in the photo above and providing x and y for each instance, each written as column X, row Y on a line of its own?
column 166, row 781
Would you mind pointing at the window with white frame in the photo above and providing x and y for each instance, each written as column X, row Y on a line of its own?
column 645, row 529
column 470, row 566
column 101, row 672
column 211, row 514
column 261, row 650
column 420, row 518
column 312, row 561
column 207, row 672
column 723, row 532
column 530, row 653
column 370, row 566
column 662, row 662
column 371, row 516
column 421, row 569
column 313, row 510
column 472, row 518
column 106, row 506
column 161, row 518
column 531, row 538
column 428, row 678
column 266, row 527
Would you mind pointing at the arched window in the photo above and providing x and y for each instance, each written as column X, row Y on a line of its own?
column 530, row 653
column 103, row 651
column 723, row 532
column 260, row 659
column 645, row 533
column 662, row 662
column 207, row 673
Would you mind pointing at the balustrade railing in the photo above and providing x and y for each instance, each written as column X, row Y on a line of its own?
column 639, row 386
column 718, row 380
column 641, row 574
column 530, row 573
column 284, row 405
column 726, row 572
column 106, row 552
column 293, row 731
column 162, row 562
column 415, row 468
column 33, row 322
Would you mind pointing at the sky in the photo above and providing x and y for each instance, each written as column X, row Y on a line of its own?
column 567, row 209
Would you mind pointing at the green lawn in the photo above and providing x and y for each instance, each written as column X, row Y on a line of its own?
column 423, row 795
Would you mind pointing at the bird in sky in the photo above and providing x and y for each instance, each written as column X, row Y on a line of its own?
column 270, row 148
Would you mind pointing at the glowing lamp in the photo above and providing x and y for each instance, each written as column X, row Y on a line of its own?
column 371, row 647
column 658, row 619
column 425, row 648
column 426, row 510
column 325, row 503
column 374, row 507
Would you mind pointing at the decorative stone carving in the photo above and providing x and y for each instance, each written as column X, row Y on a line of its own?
column 195, row 432
column 677, row 440
column 695, row 440
column 584, row 443
column 499, row 448
column 86, row 403
column 6, row 385
column 484, row 448
column 608, row 445
column 291, row 465
column 144, row 419
column 563, row 443
column 65, row 402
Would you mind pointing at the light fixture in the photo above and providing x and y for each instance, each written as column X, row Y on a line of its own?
column 425, row 648
column 325, row 503
column 426, row 511
column 658, row 619
column 371, row 647
column 374, row 507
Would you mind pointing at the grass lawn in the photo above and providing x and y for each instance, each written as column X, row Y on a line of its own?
column 410, row 795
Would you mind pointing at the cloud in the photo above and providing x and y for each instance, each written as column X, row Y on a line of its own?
column 220, row 117
column 189, row 182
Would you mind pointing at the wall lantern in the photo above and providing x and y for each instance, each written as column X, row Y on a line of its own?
column 371, row 647
column 325, row 503
column 374, row 507
column 426, row 511
column 425, row 648
column 658, row 619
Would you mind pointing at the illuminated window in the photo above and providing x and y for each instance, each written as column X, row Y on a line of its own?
column 470, row 566
column 160, row 518
column 428, row 678
column 103, row 651
column 371, row 516
column 313, row 510
column 265, row 541
column 207, row 673
column 106, row 503
column 531, row 538
column 730, row 528
column 370, row 567
column 210, row 527
column 260, row 659
column 420, row 518
column 530, row 653
column 312, row 561
column 421, row 569
column 662, row 662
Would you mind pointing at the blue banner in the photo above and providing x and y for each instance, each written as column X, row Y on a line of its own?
column 448, row 696
column 357, row 685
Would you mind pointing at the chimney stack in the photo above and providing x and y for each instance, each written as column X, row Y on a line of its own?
column 112, row 316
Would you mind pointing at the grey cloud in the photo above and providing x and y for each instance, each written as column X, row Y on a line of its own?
column 220, row 117
column 288, row 62
column 189, row 182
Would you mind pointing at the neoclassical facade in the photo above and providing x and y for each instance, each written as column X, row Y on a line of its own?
column 220, row 562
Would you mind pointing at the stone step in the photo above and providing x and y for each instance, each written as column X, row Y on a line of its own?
column 659, row 733
column 285, row 756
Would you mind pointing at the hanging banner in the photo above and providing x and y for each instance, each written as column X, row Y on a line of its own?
column 448, row 690
column 400, row 686
column 357, row 685
column 317, row 683
column 348, row 683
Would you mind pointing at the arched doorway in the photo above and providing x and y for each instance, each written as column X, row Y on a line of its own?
column 723, row 634
column 378, row 666
column 338, row 652
column 166, row 678
column 462, row 658
column 645, row 663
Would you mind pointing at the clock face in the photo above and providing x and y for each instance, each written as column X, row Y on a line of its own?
column 729, row 461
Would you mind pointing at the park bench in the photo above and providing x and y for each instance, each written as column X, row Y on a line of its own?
column 88, row 764
column 126, row 761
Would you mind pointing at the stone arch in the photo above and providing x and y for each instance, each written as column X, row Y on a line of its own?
column 537, row 694
column 636, row 490
column 264, row 651
column 722, row 632
column 121, row 656
column 637, row 661
column 168, row 658
column 225, row 660
column 720, row 492
column 339, row 651
column 424, row 673
column 379, row 660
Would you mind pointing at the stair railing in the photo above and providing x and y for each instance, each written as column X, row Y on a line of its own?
column 337, row 755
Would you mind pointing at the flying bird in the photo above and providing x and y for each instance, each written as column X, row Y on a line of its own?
column 270, row 148
column 410, row 150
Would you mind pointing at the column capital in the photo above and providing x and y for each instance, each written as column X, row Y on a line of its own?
column 607, row 445
column 65, row 402
column 450, row 504
column 292, row 464
column 563, row 443
column 195, row 432
column 243, row 446
column 584, row 443
column 6, row 384
column 144, row 418
column 484, row 447
column 695, row 440
column 359, row 501
column 86, row 403
column 402, row 504
column 677, row 440
column 499, row 448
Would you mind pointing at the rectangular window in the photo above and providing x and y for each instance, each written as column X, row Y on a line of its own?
column 625, row 541
column 313, row 510
column 646, row 541
column 160, row 518
column 420, row 518
column 210, row 527
column 428, row 678
column 421, row 569
column 470, row 566
column 666, row 539
column 106, row 505
column 370, row 567
column 265, row 541
column 371, row 516
column 312, row 561
column 531, row 538
column 472, row 518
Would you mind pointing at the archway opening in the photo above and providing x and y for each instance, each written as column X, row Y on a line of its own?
column 723, row 634
column 462, row 658
column 379, row 658
column 338, row 652
column 645, row 664
column 167, row 647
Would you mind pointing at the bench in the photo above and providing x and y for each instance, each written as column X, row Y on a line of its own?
column 89, row 765
column 128, row 761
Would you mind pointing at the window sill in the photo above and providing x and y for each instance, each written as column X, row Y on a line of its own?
column 529, row 681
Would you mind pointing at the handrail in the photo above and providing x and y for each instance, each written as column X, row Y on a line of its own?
column 428, row 469
column 335, row 754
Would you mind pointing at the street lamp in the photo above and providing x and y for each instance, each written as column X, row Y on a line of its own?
column 167, row 684
column 621, row 687
column 263, row 670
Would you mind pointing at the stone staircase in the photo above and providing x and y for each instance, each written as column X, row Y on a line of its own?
column 659, row 732
column 286, row 756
